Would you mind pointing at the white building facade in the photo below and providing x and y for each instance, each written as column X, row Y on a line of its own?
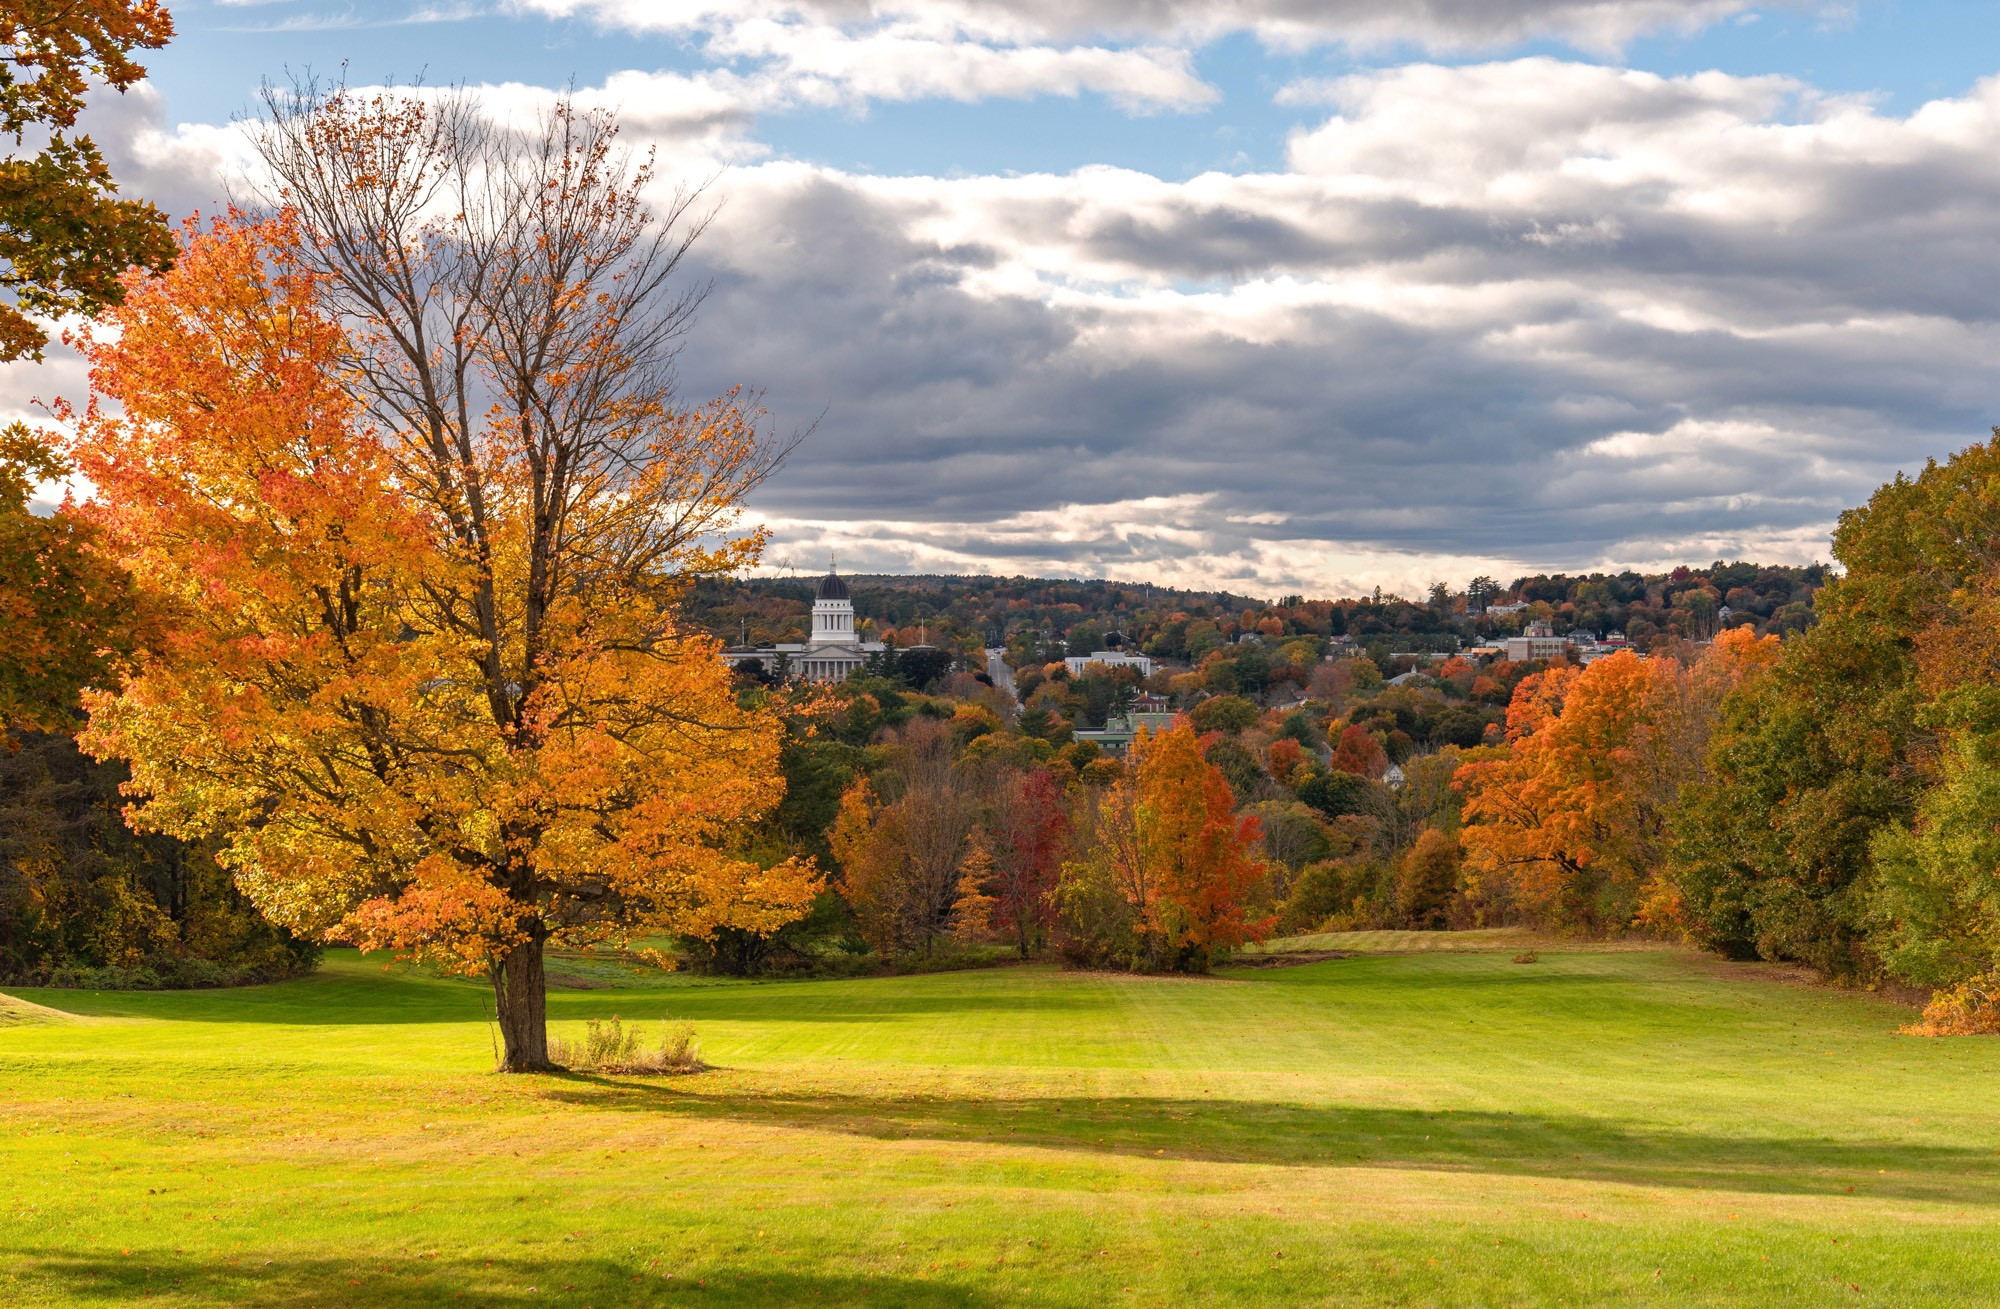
column 1538, row 642
column 832, row 650
column 1111, row 659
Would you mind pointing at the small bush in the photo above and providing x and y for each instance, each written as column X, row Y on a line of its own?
column 1527, row 957
column 608, row 1046
column 1968, row 1009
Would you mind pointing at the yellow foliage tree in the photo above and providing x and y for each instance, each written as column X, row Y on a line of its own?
column 424, row 676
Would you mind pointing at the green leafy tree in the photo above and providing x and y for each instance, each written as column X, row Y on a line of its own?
column 1337, row 793
column 1935, row 899
column 68, row 619
column 86, row 900
column 1772, row 854
column 1228, row 714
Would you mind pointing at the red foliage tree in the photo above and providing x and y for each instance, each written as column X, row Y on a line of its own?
column 1284, row 759
column 1359, row 753
column 1027, row 836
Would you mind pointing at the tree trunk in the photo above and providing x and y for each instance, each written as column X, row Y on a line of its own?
column 520, row 997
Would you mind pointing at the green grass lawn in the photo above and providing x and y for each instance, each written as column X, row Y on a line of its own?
column 1444, row 1127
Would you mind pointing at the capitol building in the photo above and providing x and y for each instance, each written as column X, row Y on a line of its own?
column 829, row 654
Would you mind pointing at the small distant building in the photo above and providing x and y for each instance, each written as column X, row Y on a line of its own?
column 832, row 651
column 1119, row 731
column 1110, row 659
column 1538, row 642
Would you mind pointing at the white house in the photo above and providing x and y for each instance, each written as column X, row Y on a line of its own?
column 1111, row 659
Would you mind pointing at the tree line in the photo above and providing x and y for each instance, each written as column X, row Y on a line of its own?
column 1039, row 620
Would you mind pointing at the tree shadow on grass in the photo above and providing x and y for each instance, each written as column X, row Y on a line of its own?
column 375, row 1280
column 1569, row 1146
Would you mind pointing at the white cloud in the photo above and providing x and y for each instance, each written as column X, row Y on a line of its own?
column 1598, row 25
column 1137, row 54
column 801, row 55
column 1529, row 314
column 1168, row 541
column 820, row 63
column 1489, row 319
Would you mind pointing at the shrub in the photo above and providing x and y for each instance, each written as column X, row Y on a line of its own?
column 608, row 1046
column 170, row 973
column 1968, row 1009
column 1426, row 881
column 1340, row 895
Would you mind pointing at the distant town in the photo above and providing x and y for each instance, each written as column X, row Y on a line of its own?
column 834, row 627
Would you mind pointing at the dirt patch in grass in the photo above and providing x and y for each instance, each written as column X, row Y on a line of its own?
column 576, row 982
column 1290, row 959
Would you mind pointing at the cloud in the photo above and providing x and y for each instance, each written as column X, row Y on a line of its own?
column 825, row 64
column 347, row 19
column 1517, row 315
column 1488, row 319
column 1137, row 54
column 1445, row 25
column 805, row 56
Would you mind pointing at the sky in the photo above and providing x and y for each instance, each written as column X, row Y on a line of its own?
column 1271, row 295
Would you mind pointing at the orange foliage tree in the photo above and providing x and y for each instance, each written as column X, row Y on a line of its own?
column 1283, row 758
column 412, row 485
column 1568, row 820
column 1169, row 851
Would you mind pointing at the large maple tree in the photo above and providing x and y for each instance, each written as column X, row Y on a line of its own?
column 406, row 467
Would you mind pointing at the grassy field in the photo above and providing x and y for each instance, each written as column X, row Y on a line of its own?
column 1426, row 1128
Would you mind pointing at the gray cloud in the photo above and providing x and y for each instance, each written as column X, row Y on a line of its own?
column 1523, row 314
column 1641, row 318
